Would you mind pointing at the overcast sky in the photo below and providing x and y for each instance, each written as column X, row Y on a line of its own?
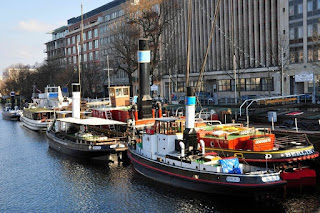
column 24, row 24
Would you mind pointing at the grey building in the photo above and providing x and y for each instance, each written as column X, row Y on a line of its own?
column 55, row 48
column 255, row 39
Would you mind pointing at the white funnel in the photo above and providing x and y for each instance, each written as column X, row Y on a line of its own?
column 76, row 100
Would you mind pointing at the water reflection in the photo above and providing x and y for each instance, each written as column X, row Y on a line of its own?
column 34, row 178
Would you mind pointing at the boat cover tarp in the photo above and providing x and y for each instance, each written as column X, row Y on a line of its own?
column 230, row 165
column 91, row 121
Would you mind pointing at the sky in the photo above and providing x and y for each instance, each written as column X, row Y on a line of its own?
column 25, row 24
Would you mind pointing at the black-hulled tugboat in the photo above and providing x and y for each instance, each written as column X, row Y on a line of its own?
column 170, row 155
column 85, row 137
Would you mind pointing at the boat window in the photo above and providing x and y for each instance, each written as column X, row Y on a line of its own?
column 168, row 128
column 125, row 91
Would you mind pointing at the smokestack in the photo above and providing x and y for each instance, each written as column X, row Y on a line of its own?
column 12, row 94
column 190, row 134
column 145, row 100
column 76, row 100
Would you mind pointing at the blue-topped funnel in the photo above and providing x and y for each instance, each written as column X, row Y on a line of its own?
column 144, row 100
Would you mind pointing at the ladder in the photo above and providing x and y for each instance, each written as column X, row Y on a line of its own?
column 108, row 114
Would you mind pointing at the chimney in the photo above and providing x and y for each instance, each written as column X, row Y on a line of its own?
column 76, row 100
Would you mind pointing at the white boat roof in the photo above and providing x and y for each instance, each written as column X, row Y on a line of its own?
column 91, row 121
column 69, row 112
column 167, row 119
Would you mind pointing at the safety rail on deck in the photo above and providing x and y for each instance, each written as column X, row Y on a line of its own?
column 275, row 99
column 293, row 140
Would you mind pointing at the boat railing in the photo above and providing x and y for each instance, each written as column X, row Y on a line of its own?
column 293, row 140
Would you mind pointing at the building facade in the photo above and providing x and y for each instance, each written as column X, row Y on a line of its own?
column 262, row 44
column 55, row 49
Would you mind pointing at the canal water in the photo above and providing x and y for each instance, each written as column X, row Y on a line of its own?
column 34, row 178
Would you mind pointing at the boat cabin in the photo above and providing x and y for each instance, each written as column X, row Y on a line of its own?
column 119, row 96
column 88, row 130
column 38, row 114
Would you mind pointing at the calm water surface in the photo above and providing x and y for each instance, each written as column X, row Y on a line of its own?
column 34, row 178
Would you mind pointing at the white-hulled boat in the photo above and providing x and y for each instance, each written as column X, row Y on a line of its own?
column 11, row 114
column 37, row 118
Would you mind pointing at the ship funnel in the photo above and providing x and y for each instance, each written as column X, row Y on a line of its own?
column 76, row 100
column 190, row 134
column 12, row 94
column 144, row 100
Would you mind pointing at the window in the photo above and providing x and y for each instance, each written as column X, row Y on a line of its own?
column 291, row 10
column 68, row 41
column 224, row 85
column 74, row 50
column 96, row 55
column 318, row 6
column 310, row 30
column 84, row 47
column 107, row 17
column 300, row 8
column 300, row 32
column 248, row 84
column 90, row 45
column 85, row 57
column 89, row 34
column 292, row 34
column 310, row 54
column 95, row 33
column 91, row 56
column 74, row 59
column 96, row 44
column 300, row 56
column 73, row 39
column 317, row 84
column 78, row 38
column 84, row 36
column 310, row 6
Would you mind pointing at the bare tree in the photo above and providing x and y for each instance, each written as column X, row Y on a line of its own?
column 124, row 50
column 152, row 16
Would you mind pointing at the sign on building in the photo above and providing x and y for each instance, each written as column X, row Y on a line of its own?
column 304, row 77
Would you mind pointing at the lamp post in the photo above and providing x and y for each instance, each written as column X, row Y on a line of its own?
column 282, row 83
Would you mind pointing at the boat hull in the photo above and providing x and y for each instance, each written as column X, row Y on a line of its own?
column 10, row 116
column 80, row 150
column 35, row 125
column 282, row 156
column 201, row 181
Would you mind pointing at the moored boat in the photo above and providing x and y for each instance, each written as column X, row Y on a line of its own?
column 37, row 118
column 169, row 155
column 85, row 137
column 11, row 114
column 293, row 155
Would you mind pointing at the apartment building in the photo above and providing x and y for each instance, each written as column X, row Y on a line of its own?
column 109, row 21
column 55, row 48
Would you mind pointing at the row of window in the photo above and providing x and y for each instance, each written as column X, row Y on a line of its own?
column 86, row 46
column 86, row 57
column 247, row 84
column 298, row 9
column 313, row 30
column 114, row 15
column 296, row 54
column 86, row 35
